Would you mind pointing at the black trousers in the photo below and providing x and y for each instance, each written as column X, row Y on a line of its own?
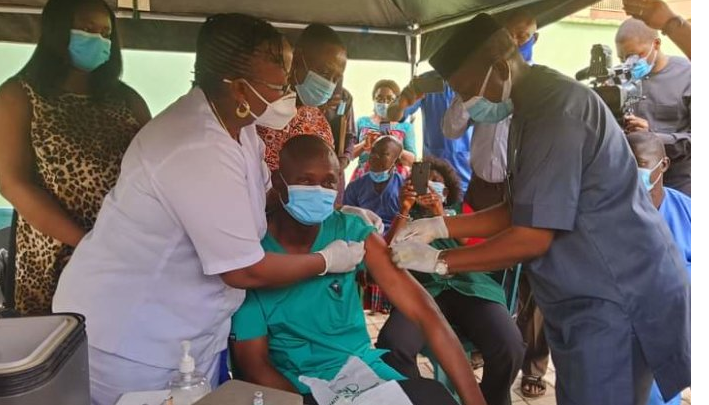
column 420, row 391
column 488, row 325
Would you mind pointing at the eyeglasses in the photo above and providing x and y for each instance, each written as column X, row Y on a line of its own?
column 283, row 88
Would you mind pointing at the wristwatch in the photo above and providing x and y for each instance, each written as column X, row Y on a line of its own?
column 441, row 267
column 674, row 22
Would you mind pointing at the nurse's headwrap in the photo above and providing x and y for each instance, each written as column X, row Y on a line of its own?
column 482, row 33
column 227, row 42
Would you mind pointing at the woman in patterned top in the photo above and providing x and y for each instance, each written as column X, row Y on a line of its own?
column 319, row 61
column 66, row 121
column 369, row 129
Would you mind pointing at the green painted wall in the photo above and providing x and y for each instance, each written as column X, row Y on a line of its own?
column 161, row 77
column 566, row 46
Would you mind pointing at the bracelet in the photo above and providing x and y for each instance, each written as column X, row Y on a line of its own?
column 406, row 217
column 674, row 22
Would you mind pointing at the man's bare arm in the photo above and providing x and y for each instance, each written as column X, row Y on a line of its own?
column 255, row 365
column 415, row 303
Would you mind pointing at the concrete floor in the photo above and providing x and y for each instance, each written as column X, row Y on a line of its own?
column 375, row 323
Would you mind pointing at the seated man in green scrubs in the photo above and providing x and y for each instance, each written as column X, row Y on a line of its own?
column 311, row 328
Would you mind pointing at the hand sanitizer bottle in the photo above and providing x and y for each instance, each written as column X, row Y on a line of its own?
column 258, row 398
column 188, row 386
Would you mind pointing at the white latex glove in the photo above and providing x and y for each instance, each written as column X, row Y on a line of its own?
column 341, row 256
column 415, row 255
column 456, row 119
column 368, row 216
column 423, row 230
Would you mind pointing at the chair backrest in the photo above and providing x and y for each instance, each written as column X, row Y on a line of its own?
column 510, row 282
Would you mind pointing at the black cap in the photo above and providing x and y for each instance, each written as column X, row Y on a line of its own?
column 467, row 38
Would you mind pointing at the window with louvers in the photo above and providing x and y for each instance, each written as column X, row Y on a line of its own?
column 609, row 5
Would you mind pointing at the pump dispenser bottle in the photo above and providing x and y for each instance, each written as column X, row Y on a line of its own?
column 188, row 386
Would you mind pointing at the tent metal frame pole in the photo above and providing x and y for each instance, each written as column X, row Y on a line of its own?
column 413, row 50
column 457, row 20
column 136, row 14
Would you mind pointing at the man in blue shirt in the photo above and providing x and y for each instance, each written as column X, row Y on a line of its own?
column 434, row 106
column 674, row 206
column 602, row 265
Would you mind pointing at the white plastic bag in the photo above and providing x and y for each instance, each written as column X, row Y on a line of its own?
column 356, row 384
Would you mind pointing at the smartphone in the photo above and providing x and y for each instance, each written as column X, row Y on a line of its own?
column 419, row 177
column 428, row 84
column 385, row 128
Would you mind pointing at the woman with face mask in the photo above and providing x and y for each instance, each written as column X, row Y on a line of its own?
column 378, row 191
column 371, row 127
column 177, row 241
column 319, row 61
column 66, row 121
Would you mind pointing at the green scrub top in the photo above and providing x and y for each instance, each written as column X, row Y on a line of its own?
column 472, row 284
column 313, row 326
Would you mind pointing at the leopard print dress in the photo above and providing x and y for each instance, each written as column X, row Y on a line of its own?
column 78, row 145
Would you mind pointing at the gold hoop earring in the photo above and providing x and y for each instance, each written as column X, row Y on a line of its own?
column 243, row 110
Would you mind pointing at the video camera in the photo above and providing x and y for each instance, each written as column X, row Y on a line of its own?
column 615, row 85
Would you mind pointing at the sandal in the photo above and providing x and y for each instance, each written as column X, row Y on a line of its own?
column 529, row 383
column 476, row 360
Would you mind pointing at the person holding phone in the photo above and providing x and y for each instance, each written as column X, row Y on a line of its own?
column 474, row 303
column 378, row 191
column 433, row 106
column 371, row 127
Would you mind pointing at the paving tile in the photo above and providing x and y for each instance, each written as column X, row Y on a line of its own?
column 545, row 400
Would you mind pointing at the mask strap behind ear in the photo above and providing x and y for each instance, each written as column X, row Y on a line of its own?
column 487, row 77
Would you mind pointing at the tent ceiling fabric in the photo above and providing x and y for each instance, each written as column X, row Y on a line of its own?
column 372, row 29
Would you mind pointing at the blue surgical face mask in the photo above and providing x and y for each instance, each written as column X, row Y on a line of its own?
column 88, row 51
column 380, row 177
column 526, row 49
column 438, row 187
column 309, row 205
column 640, row 67
column 645, row 176
column 381, row 109
column 483, row 110
column 315, row 89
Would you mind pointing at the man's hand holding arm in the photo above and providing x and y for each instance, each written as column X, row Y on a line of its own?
column 415, row 303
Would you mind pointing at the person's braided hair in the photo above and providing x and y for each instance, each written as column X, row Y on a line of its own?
column 450, row 177
column 226, row 44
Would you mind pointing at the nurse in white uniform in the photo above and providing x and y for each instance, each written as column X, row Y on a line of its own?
column 177, row 239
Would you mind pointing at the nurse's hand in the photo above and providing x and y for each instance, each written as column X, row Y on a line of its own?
column 341, row 256
column 369, row 217
column 415, row 255
column 423, row 230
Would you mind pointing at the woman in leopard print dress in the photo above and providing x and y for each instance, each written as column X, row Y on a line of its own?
column 65, row 121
